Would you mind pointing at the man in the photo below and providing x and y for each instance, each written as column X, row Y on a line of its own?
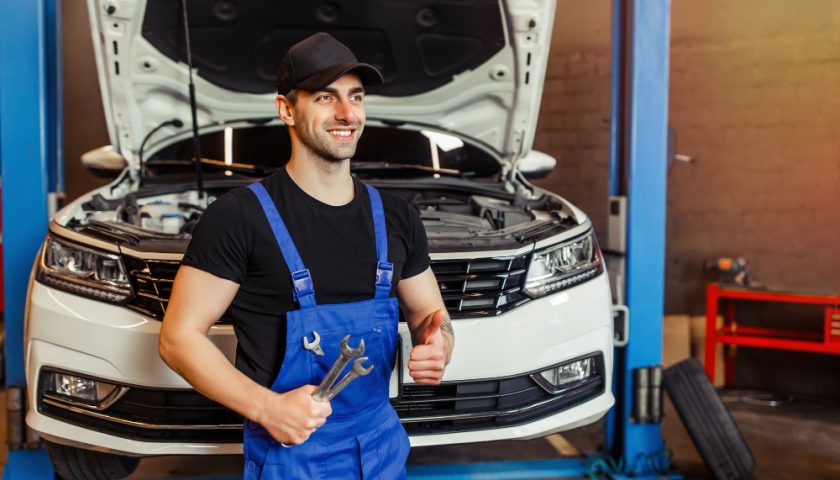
column 259, row 251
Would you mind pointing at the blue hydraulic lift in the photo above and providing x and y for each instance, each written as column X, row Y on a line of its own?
column 30, row 156
column 30, row 168
column 638, row 169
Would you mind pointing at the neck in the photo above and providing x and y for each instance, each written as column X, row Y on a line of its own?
column 328, row 182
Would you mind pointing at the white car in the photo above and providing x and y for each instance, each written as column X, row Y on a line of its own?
column 450, row 131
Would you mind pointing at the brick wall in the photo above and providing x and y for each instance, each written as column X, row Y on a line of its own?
column 574, row 121
column 84, row 119
column 754, row 100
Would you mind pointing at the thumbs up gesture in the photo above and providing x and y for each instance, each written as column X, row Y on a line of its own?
column 433, row 343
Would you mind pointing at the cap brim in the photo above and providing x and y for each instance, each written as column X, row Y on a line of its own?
column 367, row 73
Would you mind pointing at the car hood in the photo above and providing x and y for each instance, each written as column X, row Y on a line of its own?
column 470, row 68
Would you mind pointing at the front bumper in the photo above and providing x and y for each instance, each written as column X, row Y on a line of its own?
column 74, row 334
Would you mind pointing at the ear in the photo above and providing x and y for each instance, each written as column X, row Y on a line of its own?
column 284, row 109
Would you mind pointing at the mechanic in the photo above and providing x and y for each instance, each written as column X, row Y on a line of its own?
column 354, row 254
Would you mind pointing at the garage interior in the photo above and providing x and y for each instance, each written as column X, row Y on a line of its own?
column 752, row 175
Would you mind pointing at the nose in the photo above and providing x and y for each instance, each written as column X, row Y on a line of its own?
column 344, row 111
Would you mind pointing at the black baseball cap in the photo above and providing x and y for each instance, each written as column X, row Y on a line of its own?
column 317, row 61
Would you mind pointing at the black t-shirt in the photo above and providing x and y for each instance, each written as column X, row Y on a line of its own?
column 234, row 241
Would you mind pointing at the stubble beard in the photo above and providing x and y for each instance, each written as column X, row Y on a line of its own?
column 320, row 145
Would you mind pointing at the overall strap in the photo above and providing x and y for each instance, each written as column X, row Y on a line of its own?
column 384, row 268
column 301, row 279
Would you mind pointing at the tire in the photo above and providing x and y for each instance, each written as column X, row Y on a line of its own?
column 708, row 422
column 71, row 463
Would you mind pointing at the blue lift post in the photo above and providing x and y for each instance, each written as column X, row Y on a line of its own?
column 30, row 139
column 641, row 148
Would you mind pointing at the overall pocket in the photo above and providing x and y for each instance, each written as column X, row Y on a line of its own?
column 365, row 392
column 384, row 450
column 310, row 460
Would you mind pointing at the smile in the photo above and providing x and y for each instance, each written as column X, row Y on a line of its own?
column 341, row 133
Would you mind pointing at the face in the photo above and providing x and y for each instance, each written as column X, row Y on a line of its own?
column 327, row 122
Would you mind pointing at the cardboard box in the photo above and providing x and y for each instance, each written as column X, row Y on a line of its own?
column 698, row 346
column 676, row 339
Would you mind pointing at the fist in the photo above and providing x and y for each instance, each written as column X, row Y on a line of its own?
column 431, row 351
column 291, row 417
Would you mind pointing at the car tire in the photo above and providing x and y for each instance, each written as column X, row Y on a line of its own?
column 71, row 463
column 708, row 422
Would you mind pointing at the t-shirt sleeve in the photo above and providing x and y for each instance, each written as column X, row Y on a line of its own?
column 220, row 241
column 417, row 259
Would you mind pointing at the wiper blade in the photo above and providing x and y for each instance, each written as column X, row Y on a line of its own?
column 369, row 166
column 245, row 168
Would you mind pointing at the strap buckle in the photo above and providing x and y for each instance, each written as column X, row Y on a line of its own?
column 302, row 283
column 384, row 274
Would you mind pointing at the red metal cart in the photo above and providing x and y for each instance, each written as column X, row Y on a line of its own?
column 730, row 333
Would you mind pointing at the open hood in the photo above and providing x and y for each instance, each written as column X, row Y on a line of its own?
column 473, row 68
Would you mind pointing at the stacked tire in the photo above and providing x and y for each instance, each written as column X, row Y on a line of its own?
column 708, row 421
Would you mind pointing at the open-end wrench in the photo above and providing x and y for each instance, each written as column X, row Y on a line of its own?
column 357, row 371
column 345, row 354
column 315, row 345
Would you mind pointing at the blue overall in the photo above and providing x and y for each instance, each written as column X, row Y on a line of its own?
column 363, row 438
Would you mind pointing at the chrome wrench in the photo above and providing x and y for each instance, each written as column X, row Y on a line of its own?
column 357, row 371
column 345, row 355
column 315, row 345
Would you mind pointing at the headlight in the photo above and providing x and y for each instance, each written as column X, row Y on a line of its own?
column 563, row 266
column 80, row 391
column 83, row 271
column 571, row 375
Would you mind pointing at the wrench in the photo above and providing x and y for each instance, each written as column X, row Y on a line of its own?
column 315, row 345
column 345, row 355
column 357, row 371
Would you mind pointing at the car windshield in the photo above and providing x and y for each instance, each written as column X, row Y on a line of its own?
column 382, row 152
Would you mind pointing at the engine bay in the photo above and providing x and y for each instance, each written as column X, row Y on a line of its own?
column 449, row 215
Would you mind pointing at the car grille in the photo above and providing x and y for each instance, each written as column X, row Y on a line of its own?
column 152, row 281
column 481, row 287
column 186, row 415
column 470, row 288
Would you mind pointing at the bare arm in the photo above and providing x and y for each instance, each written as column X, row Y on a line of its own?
column 198, row 300
column 432, row 335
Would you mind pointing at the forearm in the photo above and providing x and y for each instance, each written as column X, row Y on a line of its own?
column 199, row 361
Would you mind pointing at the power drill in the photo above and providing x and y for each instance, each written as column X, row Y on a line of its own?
column 732, row 271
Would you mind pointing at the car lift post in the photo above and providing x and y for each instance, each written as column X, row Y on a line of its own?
column 30, row 153
column 638, row 169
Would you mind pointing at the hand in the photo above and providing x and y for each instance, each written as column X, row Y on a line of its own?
column 432, row 350
column 291, row 417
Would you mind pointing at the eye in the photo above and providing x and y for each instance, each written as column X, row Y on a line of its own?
column 325, row 97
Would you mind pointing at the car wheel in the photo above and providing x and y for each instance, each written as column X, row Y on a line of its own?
column 71, row 463
column 708, row 422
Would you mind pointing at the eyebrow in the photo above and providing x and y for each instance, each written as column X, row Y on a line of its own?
column 335, row 91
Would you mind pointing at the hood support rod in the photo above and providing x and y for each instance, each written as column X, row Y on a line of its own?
column 195, row 139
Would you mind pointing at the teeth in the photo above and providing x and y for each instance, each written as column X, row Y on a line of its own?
column 340, row 133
